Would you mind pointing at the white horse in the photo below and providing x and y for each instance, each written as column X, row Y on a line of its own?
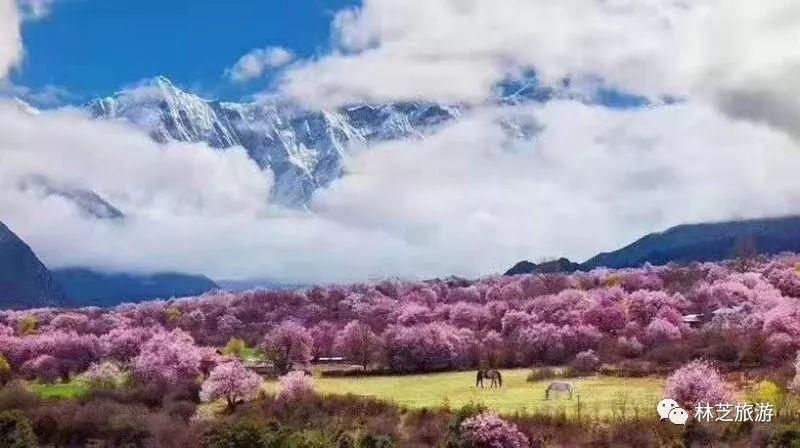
column 558, row 387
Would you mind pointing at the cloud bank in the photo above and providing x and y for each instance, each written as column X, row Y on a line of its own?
column 469, row 199
column 740, row 55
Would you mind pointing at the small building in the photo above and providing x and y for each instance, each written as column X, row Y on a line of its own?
column 332, row 360
column 692, row 320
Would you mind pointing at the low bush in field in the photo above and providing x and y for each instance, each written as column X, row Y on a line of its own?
column 548, row 373
column 543, row 373
column 585, row 362
column 631, row 368
column 354, row 372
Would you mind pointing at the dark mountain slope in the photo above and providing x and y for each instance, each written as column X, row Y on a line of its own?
column 25, row 281
column 691, row 242
column 547, row 267
column 87, row 287
column 705, row 242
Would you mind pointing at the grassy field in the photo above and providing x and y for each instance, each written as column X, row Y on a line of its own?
column 73, row 389
column 598, row 396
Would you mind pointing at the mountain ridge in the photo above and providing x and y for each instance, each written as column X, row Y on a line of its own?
column 686, row 243
column 24, row 280
column 304, row 149
column 93, row 288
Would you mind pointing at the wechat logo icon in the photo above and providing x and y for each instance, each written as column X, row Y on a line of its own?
column 668, row 409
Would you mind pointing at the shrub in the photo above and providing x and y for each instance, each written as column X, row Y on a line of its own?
column 345, row 441
column 586, row 362
column 241, row 434
column 631, row 368
column 104, row 375
column 235, row 347
column 766, row 392
column 465, row 412
column 28, row 325
column 308, row 439
column 16, row 395
column 541, row 374
column 5, row 370
column 630, row 347
column 697, row 382
column 371, row 441
column 786, row 438
column 487, row 430
column 295, row 386
column 16, row 431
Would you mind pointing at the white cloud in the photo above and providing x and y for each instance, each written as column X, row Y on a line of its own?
column 257, row 62
column 10, row 38
column 470, row 201
column 46, row 96
column 467, row 200
column 35, row 9
column 739, row 54
column 187, row 207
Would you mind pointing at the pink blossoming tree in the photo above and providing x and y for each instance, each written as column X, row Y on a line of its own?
column 295, row 386
column 697, row 382
column 232, row 382
column 487, row 430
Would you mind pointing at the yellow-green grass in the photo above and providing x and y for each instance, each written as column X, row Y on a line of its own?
column 252, row 354
column 60, row 391
column 598, row 396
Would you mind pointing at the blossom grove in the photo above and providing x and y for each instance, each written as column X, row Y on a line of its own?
column 737, row 314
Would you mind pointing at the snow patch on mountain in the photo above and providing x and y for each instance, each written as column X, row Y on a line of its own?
column 305, row 149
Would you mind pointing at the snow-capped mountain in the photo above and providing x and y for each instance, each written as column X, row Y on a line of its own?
column 305, row 149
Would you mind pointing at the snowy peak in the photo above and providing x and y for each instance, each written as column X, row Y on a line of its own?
column 305, row 149
column 166, row 112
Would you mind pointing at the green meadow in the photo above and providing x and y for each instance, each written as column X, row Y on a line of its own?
column 594, row 396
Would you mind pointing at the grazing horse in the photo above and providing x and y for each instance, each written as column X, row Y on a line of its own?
column 558, row 387
column 491, row 374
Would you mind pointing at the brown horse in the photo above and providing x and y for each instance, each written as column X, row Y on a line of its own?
column 491, row 374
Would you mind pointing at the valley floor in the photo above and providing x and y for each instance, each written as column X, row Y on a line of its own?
column 596, row 396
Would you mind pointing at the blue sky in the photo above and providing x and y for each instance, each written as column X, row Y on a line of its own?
column 94, row 47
